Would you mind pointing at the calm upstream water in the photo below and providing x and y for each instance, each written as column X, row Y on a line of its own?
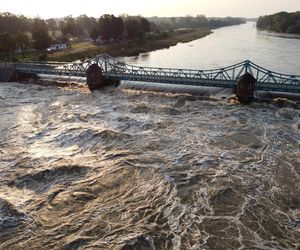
column 227, row 46
column 138, row 170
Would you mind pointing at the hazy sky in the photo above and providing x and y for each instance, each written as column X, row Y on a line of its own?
column 60, row 8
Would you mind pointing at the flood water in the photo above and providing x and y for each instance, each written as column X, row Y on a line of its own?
column 125, row 169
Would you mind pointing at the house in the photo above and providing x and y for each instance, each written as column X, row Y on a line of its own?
column 55, row 47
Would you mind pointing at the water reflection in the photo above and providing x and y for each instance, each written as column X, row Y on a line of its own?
column 227, row 46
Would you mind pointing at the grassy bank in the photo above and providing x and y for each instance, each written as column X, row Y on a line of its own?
column 130, row 48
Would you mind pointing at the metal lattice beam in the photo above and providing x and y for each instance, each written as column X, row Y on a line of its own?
column 224, row 77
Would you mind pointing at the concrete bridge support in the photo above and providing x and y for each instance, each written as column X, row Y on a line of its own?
column 95, row 79
column 245, row 88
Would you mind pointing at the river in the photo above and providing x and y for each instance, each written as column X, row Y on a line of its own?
column 140, row 170
column 227, row 46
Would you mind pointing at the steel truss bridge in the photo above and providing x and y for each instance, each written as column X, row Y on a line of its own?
column 113, row 69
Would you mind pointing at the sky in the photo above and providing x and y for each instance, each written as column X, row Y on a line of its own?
column 147, row 8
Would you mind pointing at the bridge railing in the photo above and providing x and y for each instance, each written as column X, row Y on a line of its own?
column 113, row 68
column 264, row 77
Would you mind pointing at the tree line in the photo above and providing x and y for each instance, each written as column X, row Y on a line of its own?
column 199, row 21
column 110, row 27
column 282, row 22
column 22, row 33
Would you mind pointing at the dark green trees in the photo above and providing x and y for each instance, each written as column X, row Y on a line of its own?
column 86, row 23
column 280, row 22
column 7, row 44
column 22, row 42
column 94, row 34
column 13, row 33
column 111, row 27
column 134, row 28
column 40, row 36
column 67, row 26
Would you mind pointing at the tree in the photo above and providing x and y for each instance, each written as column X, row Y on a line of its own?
column 111, row 27
column 68, row 26
column 105, row 26
column 52, row 26
column 22, row 41
column 86, row 23
column 95, row 33
column 12, row 23
column 117, row 27
column 280, row 22
column 134, row 28
column 294, row 29
column 145, row 24
column 40, row 35
column 7, row 43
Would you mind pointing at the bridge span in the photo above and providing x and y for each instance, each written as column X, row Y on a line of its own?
column 113, row 69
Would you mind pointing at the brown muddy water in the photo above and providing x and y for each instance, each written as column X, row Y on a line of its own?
column 124, row 169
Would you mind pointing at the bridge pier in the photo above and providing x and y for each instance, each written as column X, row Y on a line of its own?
column 245, row 88
column 95, row 79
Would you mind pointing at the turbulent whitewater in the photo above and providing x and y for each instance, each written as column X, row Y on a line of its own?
column 125, row 169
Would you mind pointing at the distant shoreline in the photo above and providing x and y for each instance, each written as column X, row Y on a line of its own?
column 278, row 34
column 283, row 23
column 128, row 48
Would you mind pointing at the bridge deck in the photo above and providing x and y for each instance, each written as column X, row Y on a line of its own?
column 223, row 77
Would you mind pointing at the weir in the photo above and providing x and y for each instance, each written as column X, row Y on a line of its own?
column 8, row 74
column 104, row 69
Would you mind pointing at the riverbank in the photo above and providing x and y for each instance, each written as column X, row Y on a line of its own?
column 281, row 22
column 129, row 48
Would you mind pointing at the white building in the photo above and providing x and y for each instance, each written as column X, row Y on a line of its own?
column 55, row 47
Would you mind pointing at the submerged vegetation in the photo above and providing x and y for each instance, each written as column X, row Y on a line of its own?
column 282, row 22
column 23, row 38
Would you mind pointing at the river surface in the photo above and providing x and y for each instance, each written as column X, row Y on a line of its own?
column 228, row 46
column 140, row 170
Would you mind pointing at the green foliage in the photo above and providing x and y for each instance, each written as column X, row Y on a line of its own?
column 145, row 24
column 190, row 22
column 22, row 41
column 86, row 23
column 52, row 24
column 104, row 24
column 117, row 27
column 110, row 27
column 12, row 23
column 42, row 56
column 13, row 31
column 68, row 26
column 134, row 28
column 223, row 22
column 282, row 22
column 95, row 33
column 40, row 35
column 8, row 43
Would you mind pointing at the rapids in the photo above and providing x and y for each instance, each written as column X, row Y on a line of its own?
column 127, row 169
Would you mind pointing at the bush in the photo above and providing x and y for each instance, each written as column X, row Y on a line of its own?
column 42, row 57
